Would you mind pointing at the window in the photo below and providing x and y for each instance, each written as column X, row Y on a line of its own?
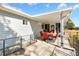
column 24, row 22
column 52, row 27
column 58, row 27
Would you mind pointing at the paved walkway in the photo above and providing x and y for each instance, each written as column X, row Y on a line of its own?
column 65, row 43
column 39, row 48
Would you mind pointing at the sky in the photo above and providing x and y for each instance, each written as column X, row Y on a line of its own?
column 38, row 8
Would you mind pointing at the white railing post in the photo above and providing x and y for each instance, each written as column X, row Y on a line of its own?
column 30, row 38
column 3, row 47
column 21, row 42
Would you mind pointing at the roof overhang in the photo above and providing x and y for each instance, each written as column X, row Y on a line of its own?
column 14, row 11
column 49, row 17
column 53, row 17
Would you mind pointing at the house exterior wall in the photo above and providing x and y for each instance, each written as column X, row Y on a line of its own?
column 11, row 25
column 36, row 27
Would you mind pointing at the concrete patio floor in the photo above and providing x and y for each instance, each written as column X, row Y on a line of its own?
column 41, row 48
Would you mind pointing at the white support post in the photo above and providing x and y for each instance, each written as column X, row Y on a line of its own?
column 62, row 29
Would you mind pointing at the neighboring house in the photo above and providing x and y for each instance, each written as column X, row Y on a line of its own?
column 15, row 23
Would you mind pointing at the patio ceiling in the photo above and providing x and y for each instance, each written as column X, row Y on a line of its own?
column 53, row 17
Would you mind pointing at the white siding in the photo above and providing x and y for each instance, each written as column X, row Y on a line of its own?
column 12, row 25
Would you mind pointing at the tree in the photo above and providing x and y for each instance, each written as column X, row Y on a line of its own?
column 69, row 24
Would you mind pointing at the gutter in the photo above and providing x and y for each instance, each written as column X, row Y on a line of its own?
column 16, row 12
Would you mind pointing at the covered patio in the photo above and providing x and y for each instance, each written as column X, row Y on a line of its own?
column 54, row 21
column 48, row 21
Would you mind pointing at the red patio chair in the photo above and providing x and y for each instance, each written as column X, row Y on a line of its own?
column 41, row 35
column 50, row 36
column 44, row 35
column 54, row 37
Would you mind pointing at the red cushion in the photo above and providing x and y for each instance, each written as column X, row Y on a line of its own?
column 44, row 35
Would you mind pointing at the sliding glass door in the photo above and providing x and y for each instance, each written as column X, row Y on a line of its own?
column 46, row 27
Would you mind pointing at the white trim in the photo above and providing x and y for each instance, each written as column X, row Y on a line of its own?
column 30, row 17
column 53, row 11
column 14, row 11
column 3, row 6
